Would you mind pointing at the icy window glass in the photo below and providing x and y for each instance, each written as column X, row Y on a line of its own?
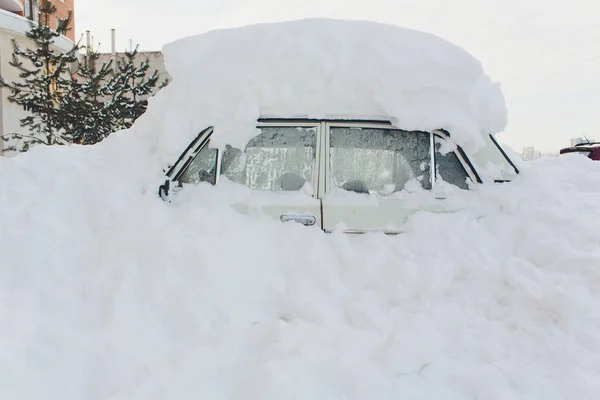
column 378, row 160
column 202, row 169
column 449, row 167
column 280, row 158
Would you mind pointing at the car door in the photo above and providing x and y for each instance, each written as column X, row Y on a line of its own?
column 280, row 169
column 377, row 175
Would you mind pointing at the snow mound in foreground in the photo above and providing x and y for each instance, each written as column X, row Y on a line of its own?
column 106, row 292
column 321, row 68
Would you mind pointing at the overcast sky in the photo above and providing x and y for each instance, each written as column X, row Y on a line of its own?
column 545, row 53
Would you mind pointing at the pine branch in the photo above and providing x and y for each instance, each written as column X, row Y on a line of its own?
column 13, row 136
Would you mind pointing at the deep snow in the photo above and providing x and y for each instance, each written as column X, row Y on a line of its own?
column 107, row 292
column 320, row 68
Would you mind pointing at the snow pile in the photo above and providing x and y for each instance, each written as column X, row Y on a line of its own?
column 321, row 69
column 106, row 292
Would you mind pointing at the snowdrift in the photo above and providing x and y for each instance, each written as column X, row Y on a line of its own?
column 320, row 69
column 106, row 292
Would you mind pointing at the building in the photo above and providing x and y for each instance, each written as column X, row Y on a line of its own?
column 530, row 154
column 15, row 16
column 30, row 8
column 62, row 11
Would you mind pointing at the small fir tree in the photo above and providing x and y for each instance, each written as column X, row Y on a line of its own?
column 130, row 88
column 103, row 102
column 83, row 107
column 45, row 80
column 88, row 112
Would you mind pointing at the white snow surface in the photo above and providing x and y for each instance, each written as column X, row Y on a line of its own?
column 107, row 292
column 320, row 68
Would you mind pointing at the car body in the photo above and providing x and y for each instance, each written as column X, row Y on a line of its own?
column 353, row 175
column 589, row 149
column 341, row 125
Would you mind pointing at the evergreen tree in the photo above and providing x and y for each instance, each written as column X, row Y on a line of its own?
column 102, row 101
column 84, row 107
column 45, row 80
column 130, row 87
column 88, row 112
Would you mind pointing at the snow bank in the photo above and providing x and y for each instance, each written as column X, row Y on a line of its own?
column 106, row 292
column 321, row 69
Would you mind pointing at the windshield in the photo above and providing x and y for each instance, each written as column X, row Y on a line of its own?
column 382, row 161
column 280, row 158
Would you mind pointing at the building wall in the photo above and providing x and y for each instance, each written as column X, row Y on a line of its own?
column 62, row 11
column 15, row 6
column 13, row 26
column 29, row 9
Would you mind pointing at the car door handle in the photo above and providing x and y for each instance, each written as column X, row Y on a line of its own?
column 306, row 220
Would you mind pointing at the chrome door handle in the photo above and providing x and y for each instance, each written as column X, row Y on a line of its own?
column 306, row 220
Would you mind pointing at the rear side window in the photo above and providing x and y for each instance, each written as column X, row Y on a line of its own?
column 449, row 167
column 382, row 161
column 279, row 158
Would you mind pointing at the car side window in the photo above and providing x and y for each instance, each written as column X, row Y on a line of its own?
column 202, row 169
column 382, row 161
column 278, row 159
column 449, row 167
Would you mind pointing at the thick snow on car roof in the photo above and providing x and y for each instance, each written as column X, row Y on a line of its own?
column 322, row 69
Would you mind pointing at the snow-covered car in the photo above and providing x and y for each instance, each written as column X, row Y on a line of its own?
column 339, row 131
column 379, row 164
column 588, row 149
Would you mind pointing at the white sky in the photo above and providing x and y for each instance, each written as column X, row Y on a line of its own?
column 545, row 53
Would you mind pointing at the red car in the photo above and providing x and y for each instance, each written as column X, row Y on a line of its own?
column 591, row 150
